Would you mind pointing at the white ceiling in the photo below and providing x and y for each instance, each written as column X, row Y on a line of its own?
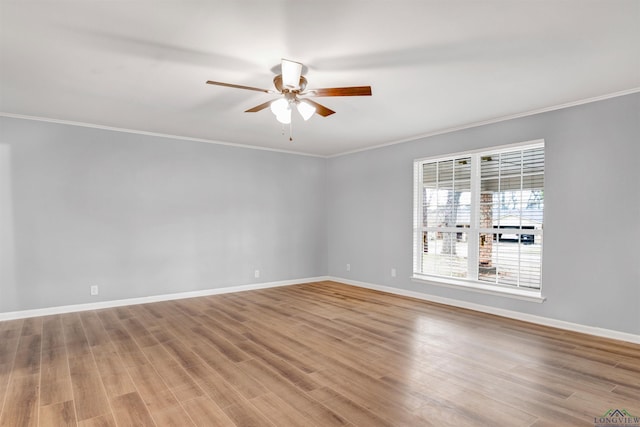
column 432, row 65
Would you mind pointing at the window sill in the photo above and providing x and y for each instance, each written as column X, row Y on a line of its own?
column 484, row 288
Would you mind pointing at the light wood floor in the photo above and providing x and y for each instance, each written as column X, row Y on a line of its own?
column 321, row 354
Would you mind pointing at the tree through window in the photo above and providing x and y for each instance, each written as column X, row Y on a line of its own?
column 479, row 216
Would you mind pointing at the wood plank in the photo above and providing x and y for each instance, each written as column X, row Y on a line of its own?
column 225, row 326
column 232, row 373
column 55, row 379
column 101, row 421
column 11, row 328
column 284, row 369
column 224, row 308
column 113, row 373
column 353, row 412
column 7, row 359
column 484, row 410
column 139, row 333
column 181, row 353
column 281, row 349
column 173, row 374
column 204, row 413
column 376, row 400
column 32, row 326
column 221, row 344
column 152, row 389
column 58, row 391
column 93, row 327
column 8, row 350
column 58, row 415
column 130, row 410
column 245, row 414
column 52, row 333
column 216, row 387
column 172, row 416
column 74, row 335
column 27, row 360
column 314, row 410
column 21, row 404
column 89, row 396
column 280, row 413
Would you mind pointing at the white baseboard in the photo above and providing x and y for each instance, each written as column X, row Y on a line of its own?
column 154, row 298
column 546, row 321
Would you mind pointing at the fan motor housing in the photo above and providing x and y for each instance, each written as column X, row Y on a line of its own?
column 277, row 81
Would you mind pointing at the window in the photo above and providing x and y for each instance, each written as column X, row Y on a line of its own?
column 479, row 219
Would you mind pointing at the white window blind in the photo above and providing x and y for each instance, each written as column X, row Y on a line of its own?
column 479, row 217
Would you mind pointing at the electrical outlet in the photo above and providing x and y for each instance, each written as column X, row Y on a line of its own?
column 348, row 267
column 94, row 289
column 393, row 272
column 256, row 274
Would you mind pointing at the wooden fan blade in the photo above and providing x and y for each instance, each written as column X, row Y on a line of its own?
column 211, row 82
column 341, row 91
column 259, row 107
column 320, row 109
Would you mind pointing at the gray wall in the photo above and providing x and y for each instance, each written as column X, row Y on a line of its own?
column 591, row 267
column 142, row 215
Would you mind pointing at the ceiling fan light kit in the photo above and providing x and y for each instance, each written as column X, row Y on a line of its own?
column 282, row 110
column 291, row 84
column 305, row 109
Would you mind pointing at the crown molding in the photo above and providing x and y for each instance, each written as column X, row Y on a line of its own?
column 300, row 153
column 155, row 134
column 495, row 120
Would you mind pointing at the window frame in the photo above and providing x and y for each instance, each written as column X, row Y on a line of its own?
column 474, row 230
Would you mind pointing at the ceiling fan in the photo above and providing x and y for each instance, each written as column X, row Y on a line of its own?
column 292, row 85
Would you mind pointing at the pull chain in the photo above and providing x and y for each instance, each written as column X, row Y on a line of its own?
column 290, row 131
